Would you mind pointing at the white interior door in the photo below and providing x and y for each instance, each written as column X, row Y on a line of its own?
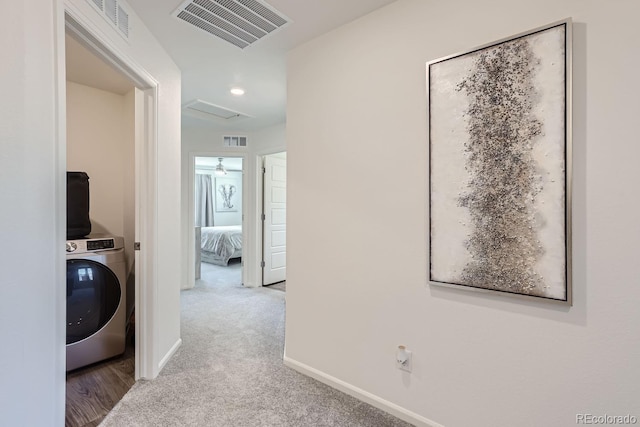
column 274, row 252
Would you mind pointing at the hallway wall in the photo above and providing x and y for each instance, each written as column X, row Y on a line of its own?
column 32, row 217
column 356, row 101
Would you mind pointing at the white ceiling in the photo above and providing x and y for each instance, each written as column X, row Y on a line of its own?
column 211, row 66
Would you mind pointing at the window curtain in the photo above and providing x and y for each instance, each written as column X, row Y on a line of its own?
column 204, row 201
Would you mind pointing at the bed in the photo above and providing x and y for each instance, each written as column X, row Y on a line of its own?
column 220, row 244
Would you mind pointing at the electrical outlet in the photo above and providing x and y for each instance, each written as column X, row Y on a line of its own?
column 404, row 361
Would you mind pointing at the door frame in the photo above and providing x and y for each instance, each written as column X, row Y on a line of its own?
column 73, row 20
column 191, row 240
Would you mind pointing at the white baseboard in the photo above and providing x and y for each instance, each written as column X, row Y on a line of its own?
column 360, row 394
column 169, row 354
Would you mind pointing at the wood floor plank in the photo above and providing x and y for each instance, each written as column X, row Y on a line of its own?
column 93, row 391
column 124, row 368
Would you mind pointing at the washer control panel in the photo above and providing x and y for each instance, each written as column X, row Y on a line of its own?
column 94, row 244
column 98, row 245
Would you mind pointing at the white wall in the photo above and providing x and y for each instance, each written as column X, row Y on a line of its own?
column 32, row 188
column 100, row 143
column 356, row 100
column 206, row 142
column 33, row 217
column 270, row 140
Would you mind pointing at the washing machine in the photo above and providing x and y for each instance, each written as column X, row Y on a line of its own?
column 96, row 305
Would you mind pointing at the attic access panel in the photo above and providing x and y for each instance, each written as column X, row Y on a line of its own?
column 208, row 111
column 239, row 22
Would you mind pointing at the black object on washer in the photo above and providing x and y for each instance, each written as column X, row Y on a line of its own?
column 78, row 222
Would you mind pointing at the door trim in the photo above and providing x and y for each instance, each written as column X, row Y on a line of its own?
column 98, row 43
column 191, row 243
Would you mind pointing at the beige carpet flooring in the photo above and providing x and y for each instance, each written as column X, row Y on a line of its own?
column 229, row 370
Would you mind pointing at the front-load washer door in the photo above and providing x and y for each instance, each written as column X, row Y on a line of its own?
column 93, row 295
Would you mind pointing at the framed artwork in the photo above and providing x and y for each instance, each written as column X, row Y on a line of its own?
column 226, row 195
column 500, row 166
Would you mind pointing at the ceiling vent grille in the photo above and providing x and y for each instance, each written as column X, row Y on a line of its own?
column 239, row 22
column 111, row 10
column 205, row 110
column 234, row 141
column 123, row 21
column 115, row 13
column 98, row 4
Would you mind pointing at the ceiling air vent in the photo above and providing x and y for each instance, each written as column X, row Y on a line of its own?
column 123, row 21
column 239, row 22
column 98, row 4
column 205, row 110
column 234, row 141
column 111, row 10
column 114, row 12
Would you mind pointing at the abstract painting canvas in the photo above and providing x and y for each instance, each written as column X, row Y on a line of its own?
column 500, row 166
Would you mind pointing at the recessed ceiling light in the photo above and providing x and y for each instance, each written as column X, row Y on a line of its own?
column 238, row 91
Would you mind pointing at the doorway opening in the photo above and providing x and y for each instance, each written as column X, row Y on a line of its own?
column 100, row 142
column 218, row 196
column 109, row 113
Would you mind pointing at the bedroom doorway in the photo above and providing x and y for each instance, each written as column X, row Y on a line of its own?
column 218, row 218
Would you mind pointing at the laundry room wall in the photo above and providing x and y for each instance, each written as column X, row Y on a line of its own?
column 100, row 142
